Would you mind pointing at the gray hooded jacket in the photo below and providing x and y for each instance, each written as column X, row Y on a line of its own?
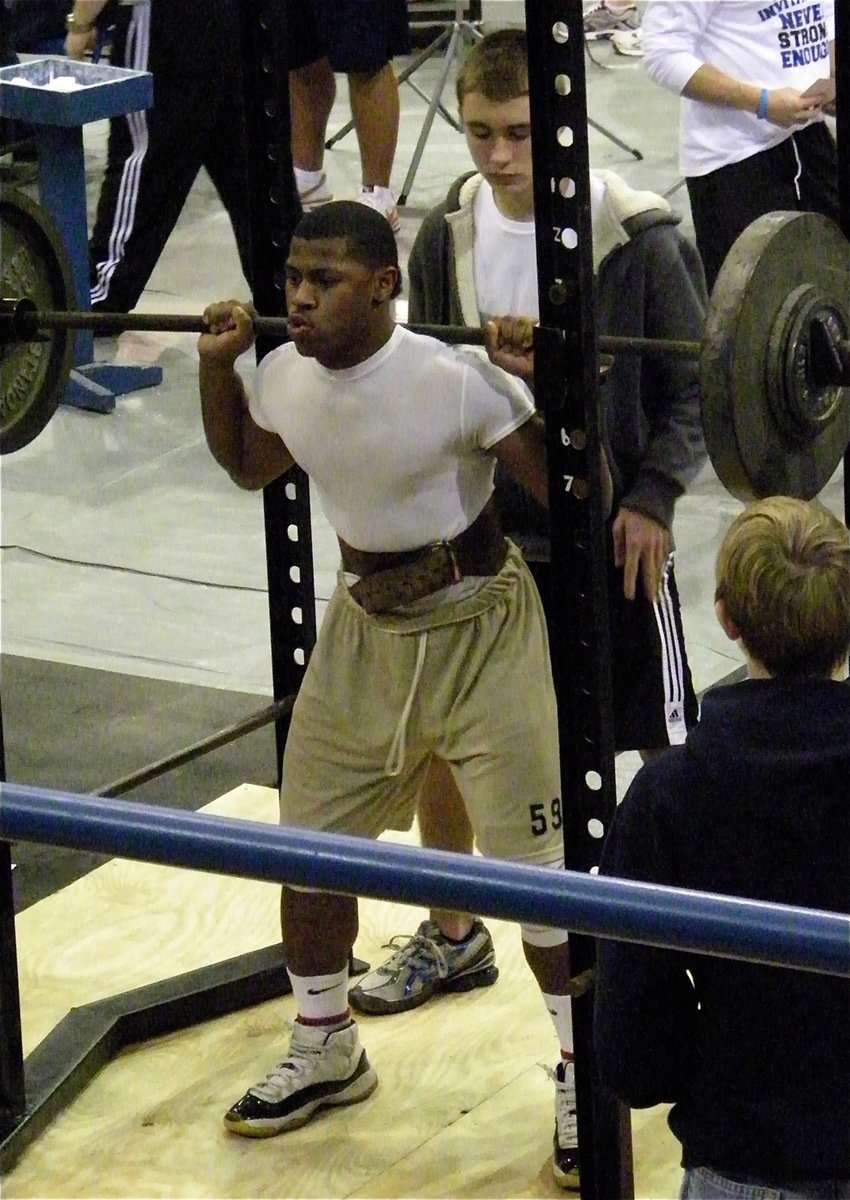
column 649, row 283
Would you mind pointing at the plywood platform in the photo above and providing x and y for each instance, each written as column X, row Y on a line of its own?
column 463, row 1108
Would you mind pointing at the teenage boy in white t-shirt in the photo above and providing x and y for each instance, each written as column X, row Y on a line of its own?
column 434, row 621
column 475, row 257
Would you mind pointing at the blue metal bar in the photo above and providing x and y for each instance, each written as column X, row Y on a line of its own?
column 616, row 908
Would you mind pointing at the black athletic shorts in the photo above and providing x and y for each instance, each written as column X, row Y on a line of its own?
column 654, row 699
column 358, row 36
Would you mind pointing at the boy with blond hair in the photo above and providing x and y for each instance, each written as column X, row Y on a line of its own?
column 754, row 1059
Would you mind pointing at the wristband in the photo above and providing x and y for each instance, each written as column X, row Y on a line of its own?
column 761, row 111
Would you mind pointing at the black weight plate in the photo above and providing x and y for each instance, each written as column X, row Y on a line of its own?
column 33, row 264
column 749, row 448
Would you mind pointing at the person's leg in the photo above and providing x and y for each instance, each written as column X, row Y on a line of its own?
column 506, row 760
column 325, row 1065
column 704, row 1183
column 724, row 202
column 312, row 91
column 450, row 951
column 225, row 151
column 334, row 779
column 444, row 825
column 375, row 111
column 654, row 699
column 226, row 163
column 362, row 41
column 153, row 158
column 547, row 953
column 816, row 148
column 302, row 913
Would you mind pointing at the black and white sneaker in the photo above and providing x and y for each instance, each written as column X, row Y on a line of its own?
column 565, row 1151
column 321, row 1070
column 424, row 965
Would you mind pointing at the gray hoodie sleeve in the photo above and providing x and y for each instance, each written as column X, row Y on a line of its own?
column 656, row 426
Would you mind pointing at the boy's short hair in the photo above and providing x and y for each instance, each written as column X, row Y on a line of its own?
column 368, row 234
column 496, row 66
column 783, row 573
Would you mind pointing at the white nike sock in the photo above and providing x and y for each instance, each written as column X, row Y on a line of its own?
column 321, row 999
column 560, row 1010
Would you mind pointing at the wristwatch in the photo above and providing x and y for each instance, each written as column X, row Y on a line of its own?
column 75, row 25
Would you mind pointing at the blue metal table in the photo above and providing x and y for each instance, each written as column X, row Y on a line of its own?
column 94, row 92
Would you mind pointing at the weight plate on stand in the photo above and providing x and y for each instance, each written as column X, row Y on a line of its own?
column 769, row 428
column 33, row 264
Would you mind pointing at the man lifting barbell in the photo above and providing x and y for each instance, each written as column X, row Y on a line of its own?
column 435, row 617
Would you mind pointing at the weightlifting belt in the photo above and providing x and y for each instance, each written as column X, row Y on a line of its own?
column 391, row 579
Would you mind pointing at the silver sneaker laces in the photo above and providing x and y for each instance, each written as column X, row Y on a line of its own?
column 279, row 1080
column 418, row 951
column 566, row 1120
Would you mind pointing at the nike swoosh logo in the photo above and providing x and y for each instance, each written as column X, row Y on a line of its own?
column 318, row 991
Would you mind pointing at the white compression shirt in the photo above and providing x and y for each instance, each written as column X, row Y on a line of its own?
column 398, row 446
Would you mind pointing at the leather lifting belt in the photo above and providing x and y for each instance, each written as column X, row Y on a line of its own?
column 390, row 579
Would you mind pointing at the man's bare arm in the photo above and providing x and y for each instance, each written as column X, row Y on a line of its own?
column 251, row 456
column 510, row 345
column 81, row 38
column 785, row 106
column 523, row 455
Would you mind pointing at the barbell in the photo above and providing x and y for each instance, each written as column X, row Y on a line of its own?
column 774, row 358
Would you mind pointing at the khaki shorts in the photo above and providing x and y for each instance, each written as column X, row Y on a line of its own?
column 469, row 682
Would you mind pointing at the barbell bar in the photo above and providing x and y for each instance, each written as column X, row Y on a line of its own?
column 20, row 321
column 774, row 358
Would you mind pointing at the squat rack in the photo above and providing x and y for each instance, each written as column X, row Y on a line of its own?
column 62, row 1065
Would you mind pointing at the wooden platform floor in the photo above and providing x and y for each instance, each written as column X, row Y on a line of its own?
column 463, row 1108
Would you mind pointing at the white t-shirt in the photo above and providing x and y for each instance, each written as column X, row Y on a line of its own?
column 769, row 43
column 504, row 259
column 398, row 446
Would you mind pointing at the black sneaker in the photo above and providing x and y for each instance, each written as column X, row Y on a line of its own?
column 426, row 964
column 565, row 1151
column 321, row 1070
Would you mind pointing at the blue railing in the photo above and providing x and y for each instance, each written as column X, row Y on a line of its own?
column 606, row 907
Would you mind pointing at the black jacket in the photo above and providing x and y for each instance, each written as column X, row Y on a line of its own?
column 756, row 1060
